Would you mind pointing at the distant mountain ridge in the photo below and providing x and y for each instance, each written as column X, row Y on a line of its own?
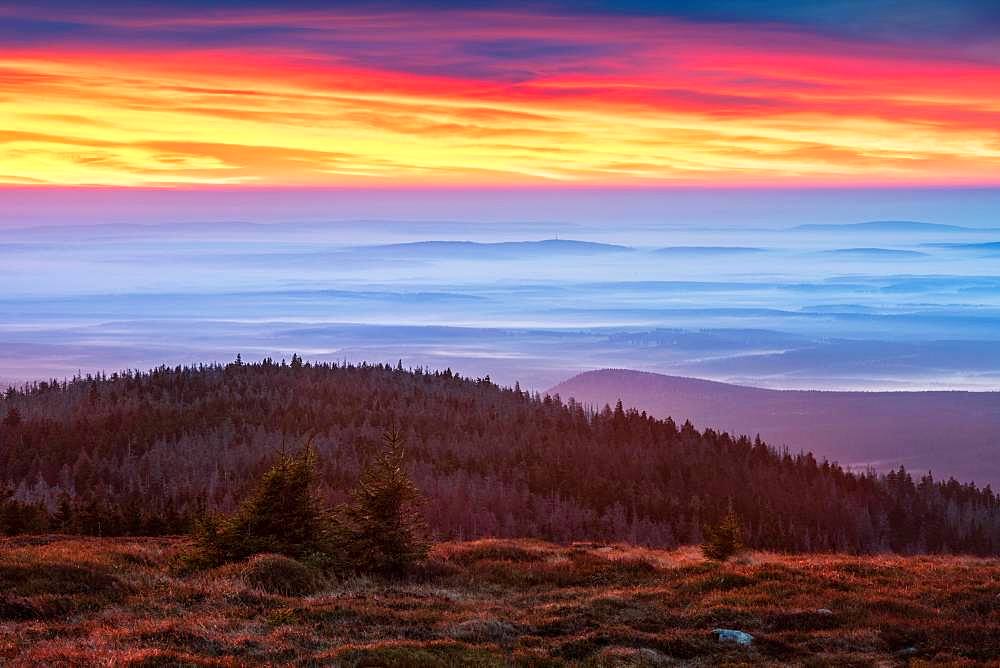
column 547, row 246
column 708, row 250
column 886, row 226
column 948, row 433
column 874, row 253
column 989, row 246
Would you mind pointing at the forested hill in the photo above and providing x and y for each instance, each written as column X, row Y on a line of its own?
column 144, row 452
column 951, row 433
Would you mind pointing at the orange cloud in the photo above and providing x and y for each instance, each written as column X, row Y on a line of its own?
column 514, row 99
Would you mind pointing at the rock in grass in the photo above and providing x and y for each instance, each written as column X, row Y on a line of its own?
column 731, row 635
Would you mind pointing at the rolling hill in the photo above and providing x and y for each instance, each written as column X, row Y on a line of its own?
column 146, row 452
column 948, row 433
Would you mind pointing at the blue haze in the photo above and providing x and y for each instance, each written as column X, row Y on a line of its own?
column 798, row 302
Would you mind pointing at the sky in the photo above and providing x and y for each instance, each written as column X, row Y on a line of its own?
column 721, row 155
column 735, row 93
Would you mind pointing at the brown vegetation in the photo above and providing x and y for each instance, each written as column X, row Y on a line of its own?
column 147, row 453
column 88, row 601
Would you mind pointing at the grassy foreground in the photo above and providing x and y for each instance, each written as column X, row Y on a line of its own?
column 75, row 601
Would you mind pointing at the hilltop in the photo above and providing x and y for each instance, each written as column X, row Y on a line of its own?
column 145, row 453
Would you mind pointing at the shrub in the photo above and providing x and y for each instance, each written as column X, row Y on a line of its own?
column 724, row 539
column 278, row 574
column 282, row 516
column 381, row 530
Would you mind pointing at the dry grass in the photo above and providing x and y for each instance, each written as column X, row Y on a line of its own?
column 76, row 601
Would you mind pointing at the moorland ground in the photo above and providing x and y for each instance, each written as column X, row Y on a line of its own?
column 68, row 601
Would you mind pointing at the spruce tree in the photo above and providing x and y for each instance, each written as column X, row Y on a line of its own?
column 63, row 519
column 382, row 530
column 13, row 418
column 8, row 520
column 282, row 515
column 724, row 539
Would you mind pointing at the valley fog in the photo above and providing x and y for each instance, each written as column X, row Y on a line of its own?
column 831, row 305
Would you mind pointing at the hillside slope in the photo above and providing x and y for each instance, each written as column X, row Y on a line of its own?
column 144, row 452
column 949, row 433
column 87, row 602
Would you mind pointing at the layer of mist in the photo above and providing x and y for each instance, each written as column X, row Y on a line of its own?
column 878, row 305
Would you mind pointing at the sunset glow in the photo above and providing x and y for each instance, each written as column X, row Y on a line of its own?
column 453, row 97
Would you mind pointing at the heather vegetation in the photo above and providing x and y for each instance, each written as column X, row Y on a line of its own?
column 72, row 601
column 150, row 453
